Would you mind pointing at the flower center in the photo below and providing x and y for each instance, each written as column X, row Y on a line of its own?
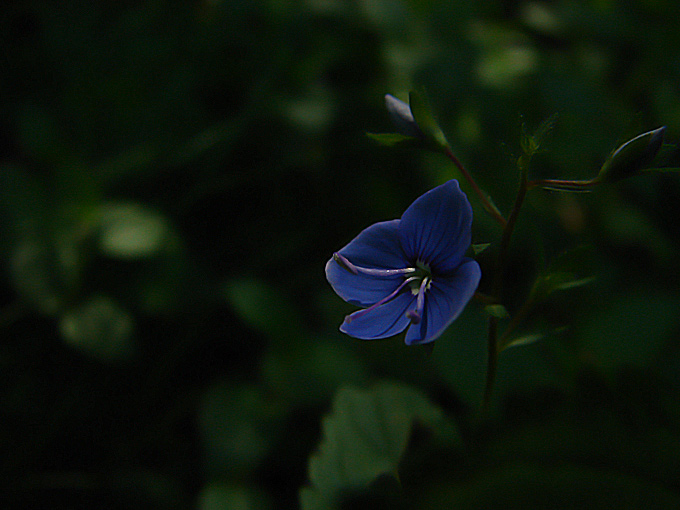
column 422, row 280
column 418, row 279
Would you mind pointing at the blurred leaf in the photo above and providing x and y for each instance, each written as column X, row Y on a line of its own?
column 21, row 204
column 266, row 309
column 40, row 135
column 364, row 437
column 629, row 330
column 461, row 354
column 223, row 496
column 101, row 328
column 162, row 285
column 46, row 272
column 131, row 231
column 313, row 374
column 238, row 425
column 560, row 486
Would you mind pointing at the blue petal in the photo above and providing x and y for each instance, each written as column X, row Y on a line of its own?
column 381, row 322
column 436, row 228
column 444, row 302
column 378, row 246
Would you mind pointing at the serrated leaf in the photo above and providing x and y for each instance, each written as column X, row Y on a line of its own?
column 364, row 437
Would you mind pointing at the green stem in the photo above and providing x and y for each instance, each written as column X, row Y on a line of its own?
column 501, row 263
column 516, row 320
column 488, row 205
column 492, row 363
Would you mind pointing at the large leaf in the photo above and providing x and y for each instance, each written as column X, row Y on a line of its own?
column 364, row 437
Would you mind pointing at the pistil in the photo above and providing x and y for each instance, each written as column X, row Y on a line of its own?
column 385, row 273
column 384, row 300
column 416, row 315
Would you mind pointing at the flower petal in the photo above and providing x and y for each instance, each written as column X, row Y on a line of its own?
column 444, row 302
column 436, row 228
column 381, row 322
column 378, row 246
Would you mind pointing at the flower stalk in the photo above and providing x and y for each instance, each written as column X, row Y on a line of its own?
column 486, row 203
column 497, row 285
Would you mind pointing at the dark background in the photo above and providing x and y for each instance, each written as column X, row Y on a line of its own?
column 174, row 176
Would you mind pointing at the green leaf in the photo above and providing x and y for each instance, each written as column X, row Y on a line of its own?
column 422, row 114
column 312, row 374
column 479, row 248
column 394, row 139
column 100, row 328
column 222, row 496
column 364, row 437
column 131, row 231
column 532, row 143
column 568, row 270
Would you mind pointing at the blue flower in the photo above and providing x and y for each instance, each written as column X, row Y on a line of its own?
column 409, row 273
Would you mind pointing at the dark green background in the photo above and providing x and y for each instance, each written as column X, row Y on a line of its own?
column 174, row 176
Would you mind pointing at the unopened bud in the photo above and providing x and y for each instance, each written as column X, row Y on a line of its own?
column 632, row 157
column 401, row 116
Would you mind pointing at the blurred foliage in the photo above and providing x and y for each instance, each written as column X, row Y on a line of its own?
column 174, row 176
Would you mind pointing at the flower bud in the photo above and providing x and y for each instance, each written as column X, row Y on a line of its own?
column 632, row 157
column 401, row 116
